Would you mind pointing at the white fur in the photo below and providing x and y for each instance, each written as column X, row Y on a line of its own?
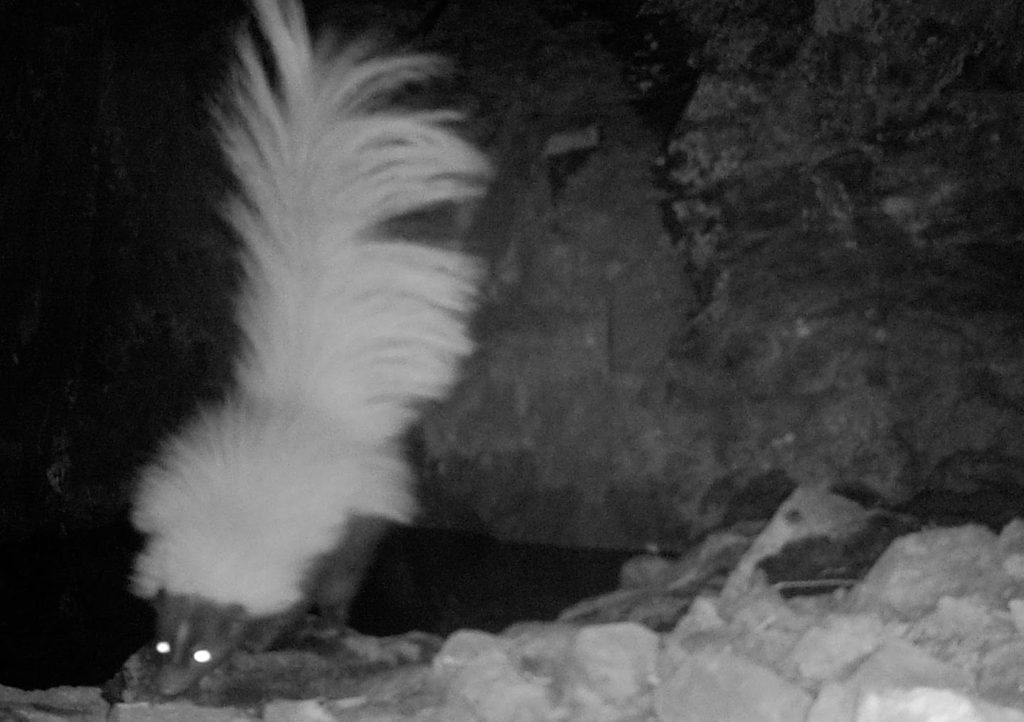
column 345, row 331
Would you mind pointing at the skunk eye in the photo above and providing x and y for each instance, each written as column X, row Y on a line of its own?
column 202, row 656
column 162, row 647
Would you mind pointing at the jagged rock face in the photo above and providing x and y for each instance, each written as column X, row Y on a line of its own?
column 837, row 304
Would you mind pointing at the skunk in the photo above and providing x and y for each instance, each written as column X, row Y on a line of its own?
column 274, row 497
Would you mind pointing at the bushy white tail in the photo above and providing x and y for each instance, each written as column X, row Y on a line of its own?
column 333, row 313
column 345, row 330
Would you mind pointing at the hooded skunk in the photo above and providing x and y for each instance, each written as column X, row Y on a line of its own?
column 275, row 497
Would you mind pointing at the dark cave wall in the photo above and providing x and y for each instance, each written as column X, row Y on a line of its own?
column 113, row 273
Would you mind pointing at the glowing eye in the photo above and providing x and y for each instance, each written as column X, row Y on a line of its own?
column 162, row 647
column 202, row 656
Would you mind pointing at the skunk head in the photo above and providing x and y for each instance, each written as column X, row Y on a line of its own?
column 193, row 637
